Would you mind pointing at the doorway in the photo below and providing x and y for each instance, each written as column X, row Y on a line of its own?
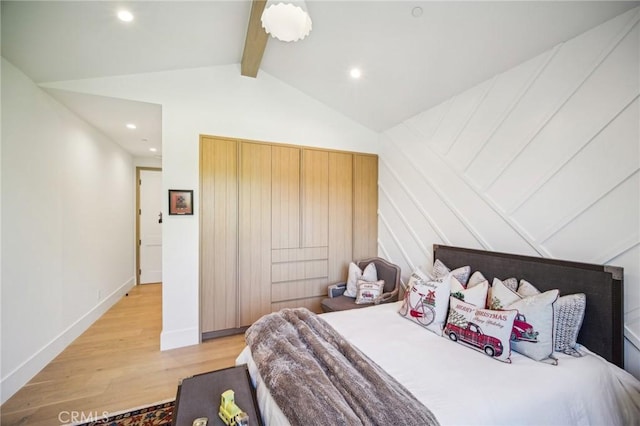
column 149, row 225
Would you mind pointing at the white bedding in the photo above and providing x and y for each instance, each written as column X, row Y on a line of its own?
column 464, row 387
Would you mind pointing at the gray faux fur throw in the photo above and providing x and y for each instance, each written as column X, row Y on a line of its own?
column 317, row 378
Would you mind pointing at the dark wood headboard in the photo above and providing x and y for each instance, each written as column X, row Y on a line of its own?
column 602, row 329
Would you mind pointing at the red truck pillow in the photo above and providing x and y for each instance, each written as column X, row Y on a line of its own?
column 484, row 330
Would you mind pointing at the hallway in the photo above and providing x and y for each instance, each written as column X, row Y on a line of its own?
column 116, row 365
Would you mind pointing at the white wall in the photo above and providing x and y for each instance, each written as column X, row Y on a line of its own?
column 216, row 101
column 541, row 160
column 67, row 202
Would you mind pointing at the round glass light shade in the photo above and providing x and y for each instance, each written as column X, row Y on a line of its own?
column 286, row 22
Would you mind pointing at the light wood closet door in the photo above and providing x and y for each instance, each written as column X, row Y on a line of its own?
column 218, row 233
column 285, row 190
column 279, row 223
column 340, row 215
column 365, row 206
column 300, row 269
column 254, row 232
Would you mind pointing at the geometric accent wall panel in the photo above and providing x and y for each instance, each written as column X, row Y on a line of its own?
column 542, row 160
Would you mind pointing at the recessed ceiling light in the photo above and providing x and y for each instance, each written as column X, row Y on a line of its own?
column 131, row 126
column 152, row 149
column 355, row 73
column 416, row 12
column 125, row 16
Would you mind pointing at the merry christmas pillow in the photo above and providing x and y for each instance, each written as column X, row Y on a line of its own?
column 484, row 330
column 426, row 303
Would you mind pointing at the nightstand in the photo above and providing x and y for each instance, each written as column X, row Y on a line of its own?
column 199, row 396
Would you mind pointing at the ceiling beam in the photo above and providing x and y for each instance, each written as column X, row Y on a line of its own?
column 255, row 42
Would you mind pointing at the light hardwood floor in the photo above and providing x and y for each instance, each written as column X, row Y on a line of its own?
column 116, row 365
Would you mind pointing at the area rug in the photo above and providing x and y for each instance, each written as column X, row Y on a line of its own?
column 159, row 414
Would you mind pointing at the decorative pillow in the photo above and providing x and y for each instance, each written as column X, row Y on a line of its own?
column 426, row 303
column 568, row 313
column 416, row 276
column 532, row 333
column 481, row 329
column 355, row 273
column 368, row 291
column 475, row 279
column 440, row 271
column 511, row 283
column 526, row 289
column 501, row 295
column 476, row 295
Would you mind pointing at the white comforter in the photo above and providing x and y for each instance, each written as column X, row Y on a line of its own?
column 464, row 387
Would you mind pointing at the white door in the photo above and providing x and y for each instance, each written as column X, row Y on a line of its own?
column 150, row 243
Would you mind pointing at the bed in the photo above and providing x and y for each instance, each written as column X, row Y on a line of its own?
column 464, row 387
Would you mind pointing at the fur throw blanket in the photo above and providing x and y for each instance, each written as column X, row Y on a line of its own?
column 317, row 378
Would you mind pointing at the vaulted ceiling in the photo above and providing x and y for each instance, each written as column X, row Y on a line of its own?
column 410, row 58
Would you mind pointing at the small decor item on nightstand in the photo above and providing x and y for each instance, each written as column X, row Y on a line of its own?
column 200, row 421
column 229, row 412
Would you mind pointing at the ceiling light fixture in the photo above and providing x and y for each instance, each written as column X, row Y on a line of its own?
column 152, row 149
column 355, row 73
column 125, row 16
column 286, row 21
column 131, row 126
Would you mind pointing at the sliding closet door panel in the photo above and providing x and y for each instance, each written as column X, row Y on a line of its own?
column 254, row 266
column 285, row 191
column 365, row 206
column 315, row 198
column 340, row 214
column 218, row 231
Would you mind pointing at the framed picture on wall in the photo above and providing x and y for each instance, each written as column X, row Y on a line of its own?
column 181, row 201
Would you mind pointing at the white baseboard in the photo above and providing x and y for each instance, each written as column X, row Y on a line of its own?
column 17, row 378
column 179, row 338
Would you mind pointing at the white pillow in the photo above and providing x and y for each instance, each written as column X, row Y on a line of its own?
column 526, row 289
column 355, row 273
column 501, row 296
column 476, row 295
column 440, row 271
column 475, row 279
